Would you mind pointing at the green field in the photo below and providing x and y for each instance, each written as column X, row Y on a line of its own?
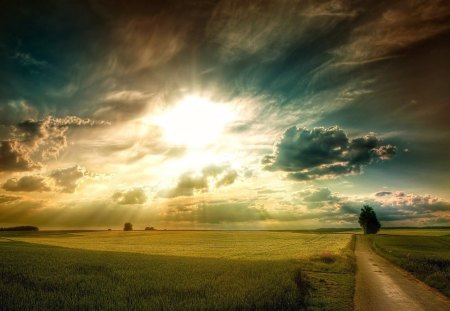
column 176, row 270
column 426, row 254
column 416, row 232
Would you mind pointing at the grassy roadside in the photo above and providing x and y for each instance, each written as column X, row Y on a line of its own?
column 426, row 257
column 333, row 279
column 45, row 277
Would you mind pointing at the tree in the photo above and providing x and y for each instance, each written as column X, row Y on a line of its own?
column 149, row 228
column 128, row 227
column 368, row 220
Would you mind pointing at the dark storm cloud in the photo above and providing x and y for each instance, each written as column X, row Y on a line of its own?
column 131, row 196
column 212, row 175
column 27, row 183
column 324, row 153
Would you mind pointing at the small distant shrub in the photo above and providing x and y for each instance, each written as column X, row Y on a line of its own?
column 149, row 228
column 326, row 257
column 128, row 226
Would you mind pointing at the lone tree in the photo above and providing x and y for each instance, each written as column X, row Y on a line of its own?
column 128, row 227
column 368, row 220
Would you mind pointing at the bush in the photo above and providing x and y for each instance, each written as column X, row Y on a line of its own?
column 326, row 257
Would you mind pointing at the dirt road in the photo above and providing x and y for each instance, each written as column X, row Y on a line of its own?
column 382, row 286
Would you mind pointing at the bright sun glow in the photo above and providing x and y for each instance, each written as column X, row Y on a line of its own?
column 194, row 122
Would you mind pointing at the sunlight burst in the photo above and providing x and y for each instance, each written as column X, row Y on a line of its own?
column 194, row 122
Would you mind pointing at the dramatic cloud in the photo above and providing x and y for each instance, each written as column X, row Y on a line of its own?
column 14, row 158
column 68, row 179
column 211, row 176
column 324, row 153
column 27, row 183
column 367, row 66
column 392, row 208
column 399, row 207
column 132, row 196
column 48, row 136
column 33, row 141
column 415, row 202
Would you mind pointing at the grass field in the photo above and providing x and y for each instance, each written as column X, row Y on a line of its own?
column 176, row 270
column 416, row 232
column 426, row 254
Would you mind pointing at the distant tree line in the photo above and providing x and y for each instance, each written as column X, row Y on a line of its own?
column 20, row 228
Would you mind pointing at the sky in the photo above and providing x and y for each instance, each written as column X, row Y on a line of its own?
column 227, row 114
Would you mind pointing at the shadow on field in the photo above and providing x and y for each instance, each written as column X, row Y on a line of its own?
column 45, row 277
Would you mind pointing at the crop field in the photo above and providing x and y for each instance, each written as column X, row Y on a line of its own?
column 176, row 270
column 417, row 232
column 426, row 254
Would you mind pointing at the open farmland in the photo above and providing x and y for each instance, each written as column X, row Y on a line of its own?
column 259, row 245
column 415, row 231
column 176, row 270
